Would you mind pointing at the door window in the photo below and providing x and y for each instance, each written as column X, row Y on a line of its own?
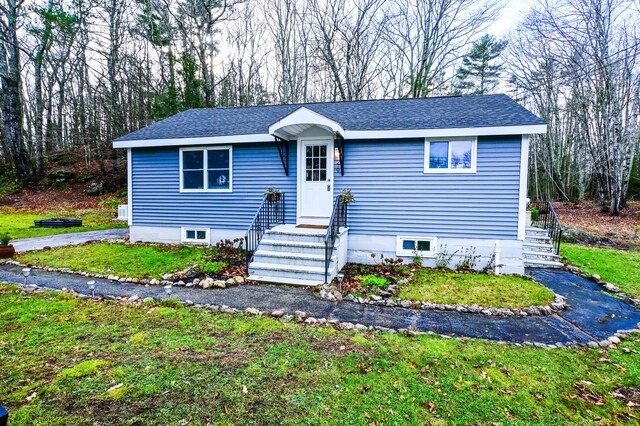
column 316, row 163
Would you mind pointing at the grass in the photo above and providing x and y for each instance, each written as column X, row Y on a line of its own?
column 75, row 361
column 19, row 224
column 448, row 287
column 129, row 260
column 619, row 267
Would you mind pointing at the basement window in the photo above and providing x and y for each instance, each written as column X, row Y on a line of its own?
column 195, row 235
column 410, row 246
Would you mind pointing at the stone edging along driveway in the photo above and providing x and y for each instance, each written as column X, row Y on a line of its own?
column 592, row 318
column 327, row 292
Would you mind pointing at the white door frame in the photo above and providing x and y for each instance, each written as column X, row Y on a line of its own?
column 301, row 169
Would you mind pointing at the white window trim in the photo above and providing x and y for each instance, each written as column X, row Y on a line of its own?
column 206, row 168
column 474, row 156
column 408, row 253
column 207, row 238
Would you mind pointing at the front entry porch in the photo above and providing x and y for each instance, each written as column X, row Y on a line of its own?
column 297, row 255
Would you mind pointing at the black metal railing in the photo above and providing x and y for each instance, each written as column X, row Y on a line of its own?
column 338, row 220
column 548, row 219
column 270, row 213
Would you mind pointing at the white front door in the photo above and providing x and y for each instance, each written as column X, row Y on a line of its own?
column 315, row 184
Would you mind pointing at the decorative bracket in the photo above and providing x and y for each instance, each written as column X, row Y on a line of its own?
column 339, row 140
column 283, row 150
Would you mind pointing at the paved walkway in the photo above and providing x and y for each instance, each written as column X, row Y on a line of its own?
column 26, row 244
column 592, row 315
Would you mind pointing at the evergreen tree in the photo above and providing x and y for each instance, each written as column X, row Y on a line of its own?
column 479, row 73
column 193, row 95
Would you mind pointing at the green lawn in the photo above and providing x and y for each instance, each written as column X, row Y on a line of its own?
column 74, row 361
column 19, row 224
column 448, row 287
column 619, row 267
column 129, row 260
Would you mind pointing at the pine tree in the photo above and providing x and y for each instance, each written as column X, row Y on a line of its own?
column 479, row 73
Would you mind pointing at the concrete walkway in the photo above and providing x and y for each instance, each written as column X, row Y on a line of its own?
column 27, row 244
column 592, row 315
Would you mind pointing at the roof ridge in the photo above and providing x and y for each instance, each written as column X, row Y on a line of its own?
column 351, row 101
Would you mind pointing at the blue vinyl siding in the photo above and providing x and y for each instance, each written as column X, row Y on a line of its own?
column 157, row 200
column 393, row 194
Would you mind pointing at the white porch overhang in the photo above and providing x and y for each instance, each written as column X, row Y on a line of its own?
column 300, row 120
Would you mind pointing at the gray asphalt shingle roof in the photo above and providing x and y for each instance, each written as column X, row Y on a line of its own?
column 395, row 114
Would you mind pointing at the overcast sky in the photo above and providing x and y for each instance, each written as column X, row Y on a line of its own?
column 511, row 15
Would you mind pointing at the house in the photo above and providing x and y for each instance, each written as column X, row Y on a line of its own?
column 429, row 176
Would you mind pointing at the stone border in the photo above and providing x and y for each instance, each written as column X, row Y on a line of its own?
column 605, row 285
column 330, row 292
column 303, row 318
column 166, row 278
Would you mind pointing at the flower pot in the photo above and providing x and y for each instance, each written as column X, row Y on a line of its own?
column 7, row 251
column 272, row 198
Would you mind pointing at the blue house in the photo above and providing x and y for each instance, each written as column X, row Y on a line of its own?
column 429, row 176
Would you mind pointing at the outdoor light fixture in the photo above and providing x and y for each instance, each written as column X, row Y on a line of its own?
column 340, row 279
column 25, row 273
column 168, row 289
column 92, row 286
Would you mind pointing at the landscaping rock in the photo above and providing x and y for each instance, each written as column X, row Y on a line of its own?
column 277, row 313
column 346, row 326
column 219, row 284
column 300, row 315
column 252, row 311
column 148, row 299
column 615, row 340
column 230, row 282
column 238, row 279
column 348, row 298
column 206, row 283
column 196, row 281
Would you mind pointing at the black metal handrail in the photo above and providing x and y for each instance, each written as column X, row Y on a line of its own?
column 548, row 219
column 338, row 220
column 270, row 212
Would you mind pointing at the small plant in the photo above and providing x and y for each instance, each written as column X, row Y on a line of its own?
column 468, row 259
column 346, row 197
column 273, row 194
column 535, row 214
column 4, row 239
column 443, row 257
column 230, row 249
column 416, row 259
column 111, row 202
column 374, row 281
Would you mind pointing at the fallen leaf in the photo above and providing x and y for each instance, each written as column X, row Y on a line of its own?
column 505, row 371
column 245, row 390
column 30, row 397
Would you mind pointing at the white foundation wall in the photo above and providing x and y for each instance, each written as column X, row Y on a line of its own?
column 362, row 246
column 171, row 235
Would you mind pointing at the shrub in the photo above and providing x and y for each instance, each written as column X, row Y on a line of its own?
column 535, row 214
column 374, row 281
column 468, row 260
column 443, row 257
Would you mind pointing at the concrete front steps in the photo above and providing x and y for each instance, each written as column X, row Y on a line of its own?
column 538, row 252
column 295, row 256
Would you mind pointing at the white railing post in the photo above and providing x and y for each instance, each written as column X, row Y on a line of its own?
column 496, row 259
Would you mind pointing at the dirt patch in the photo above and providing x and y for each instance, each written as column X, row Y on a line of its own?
column 587, row 216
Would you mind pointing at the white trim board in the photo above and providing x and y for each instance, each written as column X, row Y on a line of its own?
column 522, row 194
column 347, row 134
column 129, row 187
column 305, row 116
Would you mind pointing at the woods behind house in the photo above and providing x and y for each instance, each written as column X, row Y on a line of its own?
column 75, row 74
